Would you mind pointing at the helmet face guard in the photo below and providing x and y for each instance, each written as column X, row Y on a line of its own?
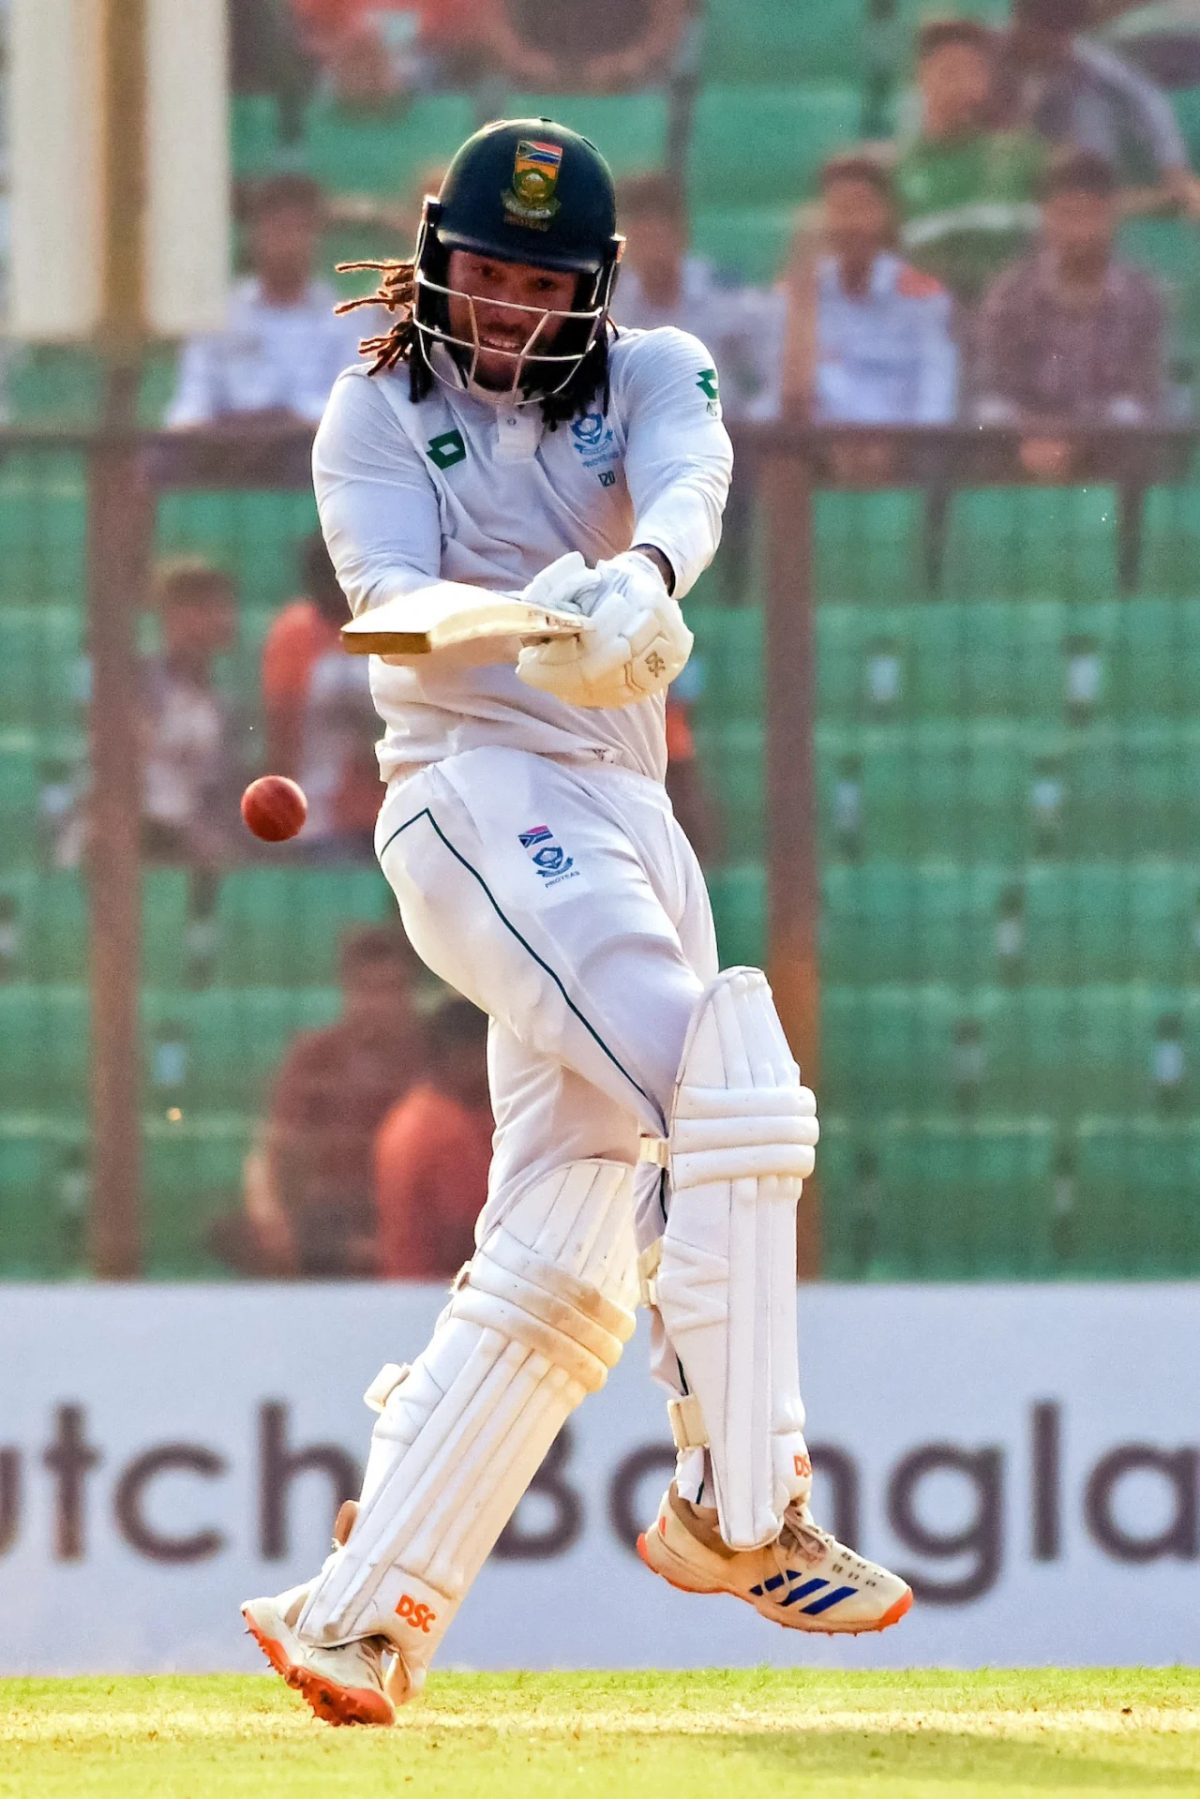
column 527, row 192
column 556, row 339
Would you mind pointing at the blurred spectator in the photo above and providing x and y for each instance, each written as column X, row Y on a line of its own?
column 869, row 338
column 1162, row 37
column 1082, row 95
column 686, row 789
column 321, row 724
column 433, row 1152
column 602, row 47
column 191, row 780
column 266, row 57
column 663, row 283
column 966, row 192
column 338, row 768
column 1071, row 336
column 310, row 1201
column 277, row 359
column 305, row 630
column 376, row 50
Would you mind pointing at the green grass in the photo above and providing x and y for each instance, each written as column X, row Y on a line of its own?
column 616, row 1736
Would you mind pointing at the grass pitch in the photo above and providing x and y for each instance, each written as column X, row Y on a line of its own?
column 616, row 1736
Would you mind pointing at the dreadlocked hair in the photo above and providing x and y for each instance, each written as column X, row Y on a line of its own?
column 397, row 292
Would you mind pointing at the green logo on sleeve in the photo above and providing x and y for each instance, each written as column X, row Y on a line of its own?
column 708, row 383
column 446, row 450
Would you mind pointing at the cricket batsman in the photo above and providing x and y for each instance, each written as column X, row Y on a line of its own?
column 505, row 438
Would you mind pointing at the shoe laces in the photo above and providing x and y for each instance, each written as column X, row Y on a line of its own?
column 801, row 1537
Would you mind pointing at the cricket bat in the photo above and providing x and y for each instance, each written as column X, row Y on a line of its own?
column 449, row 613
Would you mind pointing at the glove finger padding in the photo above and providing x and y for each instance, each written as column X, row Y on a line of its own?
column 637, row 645
column 567, row 585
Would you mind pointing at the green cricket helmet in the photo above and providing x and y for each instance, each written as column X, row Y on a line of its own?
column 528, row 191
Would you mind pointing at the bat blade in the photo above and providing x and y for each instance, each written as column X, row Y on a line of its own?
column 431, row 619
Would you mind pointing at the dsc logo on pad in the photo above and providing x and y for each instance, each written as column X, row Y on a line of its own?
column 419, row 1616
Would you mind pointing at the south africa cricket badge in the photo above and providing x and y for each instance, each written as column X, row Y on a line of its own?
column 531, row 200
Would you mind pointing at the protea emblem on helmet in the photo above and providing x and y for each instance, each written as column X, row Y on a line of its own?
column 531, row 200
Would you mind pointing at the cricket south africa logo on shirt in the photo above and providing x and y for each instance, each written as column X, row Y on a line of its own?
column 531, row 200
column 596, row 445
column 549, row 858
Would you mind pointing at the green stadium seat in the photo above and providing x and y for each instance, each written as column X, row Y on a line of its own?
column 756, row 40
column 41, row 651
column 43, row 518
column 351, row 151
column 731, row 757
column 44, row 1048
column 255, row 535
column 767, row 145
column 41, row 1198
column 995, row 1052
column 1046, row 543
column 630, row 130
column 869, row 547
column 1136, row 792
column 967, row 1203
column 218, row 1049
column 192, row 1174
column 254, row 121
column 966, row 793
column 1167, row 246
column 1186, row 102
column 739, row 901
column 1135, row 1213
column 1087, row 922
column 729, row 640
column 57, row 384
column 20, row 785
column 750, row 242
column 282, row 927
column 1171, row 541
column 54, row 927
column 166, row 908
column 898, row 922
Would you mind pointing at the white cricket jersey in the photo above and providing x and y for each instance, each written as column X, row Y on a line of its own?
column 457, row 489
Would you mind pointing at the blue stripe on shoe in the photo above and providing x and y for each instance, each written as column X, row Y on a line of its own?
column 803, row 1592
column 828, row 1600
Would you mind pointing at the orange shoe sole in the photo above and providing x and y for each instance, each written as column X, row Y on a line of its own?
column 331, row 1703
column 892, row 1616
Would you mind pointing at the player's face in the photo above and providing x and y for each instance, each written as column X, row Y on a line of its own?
column 484, row 294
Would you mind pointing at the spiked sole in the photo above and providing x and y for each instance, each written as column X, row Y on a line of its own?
column 893, row 1614
column 332, row 1703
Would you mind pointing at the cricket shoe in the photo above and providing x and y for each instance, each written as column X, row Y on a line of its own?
column 354, row 1683
column 805, row 1579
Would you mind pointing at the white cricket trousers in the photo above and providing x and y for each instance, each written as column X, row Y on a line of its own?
column 561, row 897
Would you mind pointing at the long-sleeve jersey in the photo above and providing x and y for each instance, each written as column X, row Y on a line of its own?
column 454, row 488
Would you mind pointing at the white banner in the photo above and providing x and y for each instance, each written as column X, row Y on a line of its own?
column 1028, row 1457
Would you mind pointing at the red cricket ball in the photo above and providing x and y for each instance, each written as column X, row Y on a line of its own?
column 274, row 808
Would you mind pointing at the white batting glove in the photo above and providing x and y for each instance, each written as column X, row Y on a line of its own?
column 567, row 585
column 637, row 645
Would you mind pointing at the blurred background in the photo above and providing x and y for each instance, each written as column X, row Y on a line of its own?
column 938, row 748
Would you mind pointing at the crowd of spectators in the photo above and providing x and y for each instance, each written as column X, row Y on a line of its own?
column 966, row 270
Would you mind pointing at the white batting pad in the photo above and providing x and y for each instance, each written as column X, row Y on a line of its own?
column 741, row 1141
column 539, row 1316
